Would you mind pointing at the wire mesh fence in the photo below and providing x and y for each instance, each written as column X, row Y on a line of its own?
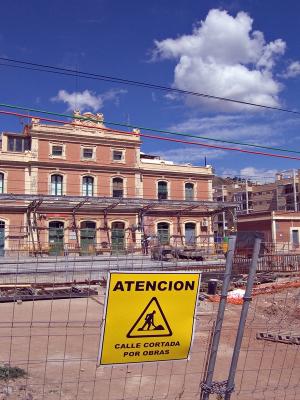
column 55, row 341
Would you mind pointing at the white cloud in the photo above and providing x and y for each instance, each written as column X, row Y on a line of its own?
column 259, row 175
column 227, row 126
column 292, row 70
column 224, row 57
column 113, row 95
column 270, row 130
column 87, row 100
column 191, row 154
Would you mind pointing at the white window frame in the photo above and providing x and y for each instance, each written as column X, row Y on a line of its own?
column 94, row 184
column 6, row 232
column 93, row 148
column 52, row 144
column 194, row 190
column 123, row 151
column 63, row 185
column 294, row 228
column 4, row 182
column 124, row 185
column 168, row 188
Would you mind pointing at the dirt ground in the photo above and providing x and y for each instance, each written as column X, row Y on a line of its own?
column 56, row 343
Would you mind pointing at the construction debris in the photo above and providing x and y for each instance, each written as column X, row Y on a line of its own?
column 8, row 372
column 281, row 337
column 260, row 278
column 30, row 293
column 264, row 289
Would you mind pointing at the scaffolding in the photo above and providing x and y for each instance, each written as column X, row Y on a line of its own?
column 37, row 205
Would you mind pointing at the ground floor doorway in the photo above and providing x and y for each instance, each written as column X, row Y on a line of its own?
column 87, row 237
column 118, row 237
column 56, row 238
column 2, row 238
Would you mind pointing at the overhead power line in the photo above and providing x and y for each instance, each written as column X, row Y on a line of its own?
column 164, row 131
column 260, row 153
column 90, row 75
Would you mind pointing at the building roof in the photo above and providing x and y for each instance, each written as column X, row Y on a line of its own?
column 255, row 216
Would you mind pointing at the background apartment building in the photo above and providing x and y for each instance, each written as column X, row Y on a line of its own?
column 282, row 194
column 83, row 185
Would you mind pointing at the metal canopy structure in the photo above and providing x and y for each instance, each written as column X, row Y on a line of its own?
column 83, row 204
column 31, row 204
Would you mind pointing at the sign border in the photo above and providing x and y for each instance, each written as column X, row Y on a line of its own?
column 103, row 322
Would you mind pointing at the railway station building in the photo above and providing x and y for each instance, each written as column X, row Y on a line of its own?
column 81, row 186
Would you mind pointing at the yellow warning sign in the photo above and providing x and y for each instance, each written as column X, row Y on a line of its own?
column 148, row 316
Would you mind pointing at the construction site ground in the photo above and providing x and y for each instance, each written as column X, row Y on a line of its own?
column 57, row 341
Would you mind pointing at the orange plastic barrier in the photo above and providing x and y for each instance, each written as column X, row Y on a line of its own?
column 274, row 288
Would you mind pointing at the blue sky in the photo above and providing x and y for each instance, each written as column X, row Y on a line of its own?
column 247, row 50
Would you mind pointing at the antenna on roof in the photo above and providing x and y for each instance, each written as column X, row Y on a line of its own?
column 205, row 163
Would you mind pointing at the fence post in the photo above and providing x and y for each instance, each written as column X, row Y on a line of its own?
column 240, row 333
column 207, row 383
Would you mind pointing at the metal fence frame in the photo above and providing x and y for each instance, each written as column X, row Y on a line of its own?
column 56, row 341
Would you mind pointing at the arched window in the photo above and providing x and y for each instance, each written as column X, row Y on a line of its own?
column 163, row 232
column 1, row 182
column 88, row 186
column 162, row 190
column 190, row 233
column 118, row 190
column 56, row 185
column 189, row 191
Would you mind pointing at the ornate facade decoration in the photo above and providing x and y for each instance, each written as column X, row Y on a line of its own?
column 88, row 118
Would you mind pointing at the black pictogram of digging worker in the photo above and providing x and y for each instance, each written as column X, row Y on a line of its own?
column 149, row 322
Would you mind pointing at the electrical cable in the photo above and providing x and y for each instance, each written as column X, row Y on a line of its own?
column 149, row 136
column 90, row 75
column 148, row 129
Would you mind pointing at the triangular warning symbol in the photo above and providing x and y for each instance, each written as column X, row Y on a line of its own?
column 151, row 323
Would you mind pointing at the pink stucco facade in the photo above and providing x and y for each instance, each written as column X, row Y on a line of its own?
column 87, row 159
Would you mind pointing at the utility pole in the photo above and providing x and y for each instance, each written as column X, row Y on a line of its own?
column 247, row 197
column 223, row 214
column 294, row 190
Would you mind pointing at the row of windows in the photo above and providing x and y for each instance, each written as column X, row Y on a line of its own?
column 87, row 153
column 263, row 193
column 87, row 235
column 56, row 187
column 87, row 186
column 117, row 187
column 88, row 231
column 20, row 145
